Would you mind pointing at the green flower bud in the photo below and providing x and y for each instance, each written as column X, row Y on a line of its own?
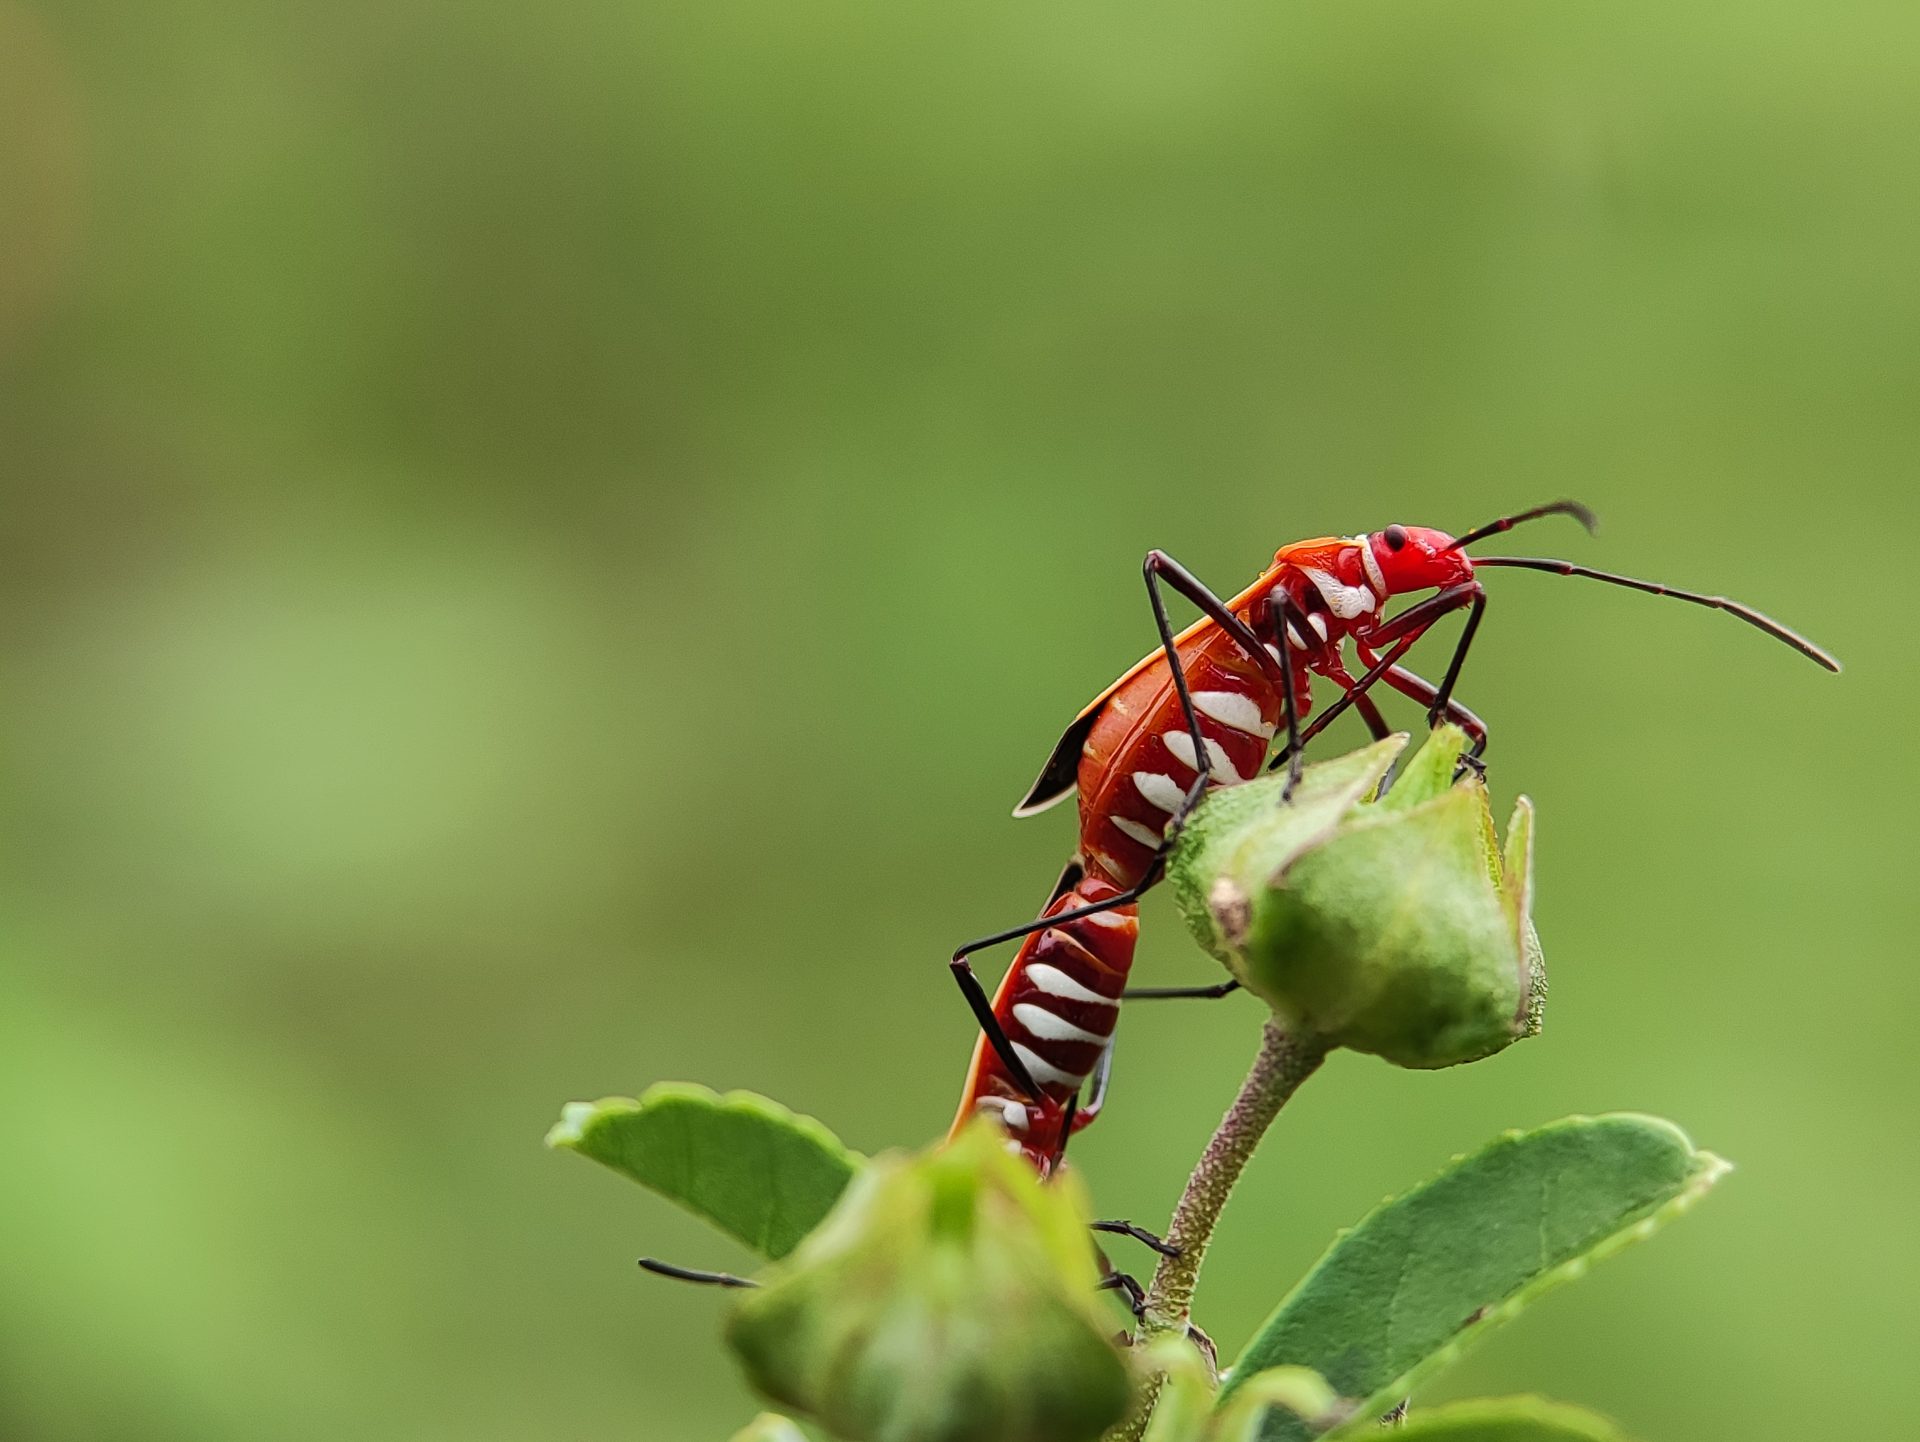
column 948, row 1297
column 769, row 1428
column 1393, row 926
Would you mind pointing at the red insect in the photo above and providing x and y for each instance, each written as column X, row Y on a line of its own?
column 1200, row 712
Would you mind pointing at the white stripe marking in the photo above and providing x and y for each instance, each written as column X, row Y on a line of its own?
column 1218, row 762
column 1116, row 918
column 1374, row 574
column 1161, row 791
column 1055, row 982
column 1145, row 835
column 1344, row 601
column 1013, row 1114
column 1235, row 709
column 1045, row 1072
column 1048, row 1027
column 1319, row 623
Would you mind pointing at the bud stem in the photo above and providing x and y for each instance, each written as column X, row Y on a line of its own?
column 1284, row 1062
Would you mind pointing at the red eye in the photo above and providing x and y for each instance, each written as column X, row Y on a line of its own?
column 1395, row 537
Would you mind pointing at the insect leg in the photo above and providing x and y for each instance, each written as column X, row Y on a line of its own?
column 1170, row 993
column 1443, row 699
column 1136, row 1295
column 1283, row 616
column 1159, row 565
column 982, row 1006
column 1418, row 688
column 1096, row 1089
column 691, row 1274
column 1041, row 923
column 1139, row 1234
column 1350, row 698
column 1370, row 713
column 1402, row 631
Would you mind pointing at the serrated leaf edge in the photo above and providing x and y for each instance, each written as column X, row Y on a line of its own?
column 1708, row 1169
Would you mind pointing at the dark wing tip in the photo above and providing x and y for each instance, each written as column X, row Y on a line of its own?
column 1060, row 776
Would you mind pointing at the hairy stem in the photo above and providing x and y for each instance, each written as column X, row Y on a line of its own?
column 1284, row 1062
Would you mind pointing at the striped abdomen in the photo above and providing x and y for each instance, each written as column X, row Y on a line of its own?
column 1057, row 1004
column 1139, row 758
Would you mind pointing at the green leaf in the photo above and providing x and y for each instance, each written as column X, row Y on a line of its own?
column 1399, row 1296
column 746, row 1164
column 1503, row 1419
column 1303, row 1394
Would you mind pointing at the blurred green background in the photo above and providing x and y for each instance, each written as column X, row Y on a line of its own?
column 540, row 545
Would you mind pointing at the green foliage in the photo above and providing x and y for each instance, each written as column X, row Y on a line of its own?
column 1393, row 927
column 746, row 1164
column 1400, row 1295
column 1506, row 1419
column 948, row 1298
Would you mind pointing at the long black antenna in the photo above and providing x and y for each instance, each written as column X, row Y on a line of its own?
column 1579, row 512
column 1718, row 603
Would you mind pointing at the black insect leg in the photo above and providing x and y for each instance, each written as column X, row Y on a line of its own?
column 1136, row 1294
column 1418, row 688
column 692, row 1274
column 982, row 1007
column 1400, row 633
column 1139, row 1234
column 1443, row 699
column 1176, row 993
column 1287, row 621
column 1278, row 670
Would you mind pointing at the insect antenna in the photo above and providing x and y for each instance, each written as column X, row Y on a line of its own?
column 1579, row 512
column 1718, row 603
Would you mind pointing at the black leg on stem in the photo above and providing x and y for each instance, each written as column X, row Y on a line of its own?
column 1443, row 698
column 1136, row 1295
column 1139, row 1234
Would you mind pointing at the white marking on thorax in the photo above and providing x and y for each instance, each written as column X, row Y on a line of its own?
column 1161, row 791
column 1234, row 709
column 1218, row 762
column 1344, row 601
column 1055, row 982
column 1048, row 1027
column 1045, row 1072
column 1367, row 559
column 1319, row 624
column 1145, row 835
